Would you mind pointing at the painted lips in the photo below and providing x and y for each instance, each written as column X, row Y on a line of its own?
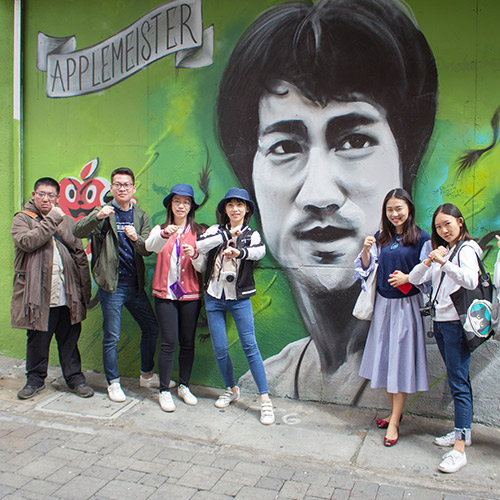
column 325, row 234
column 79, row 212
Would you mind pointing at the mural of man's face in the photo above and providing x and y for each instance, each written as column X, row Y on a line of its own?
column 320, row 176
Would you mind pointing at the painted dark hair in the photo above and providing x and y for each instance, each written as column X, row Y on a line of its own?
column 223, row 218
column 454, row 211
column 344, row 50
column 123, row 171
column 411, row 232
column 190, row 219
column 472, row 156
column 47, row 181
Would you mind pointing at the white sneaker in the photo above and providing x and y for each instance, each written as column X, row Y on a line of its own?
column 115, row 393
column 227, row 398
column 266, row 413
column 449, row 440
column 453, row 461
column 151, row 382
column 166, row 401
column 185, row 394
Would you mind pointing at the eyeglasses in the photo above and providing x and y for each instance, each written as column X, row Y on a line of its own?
column 125, row 185
column 42, row 195
column 180, row 202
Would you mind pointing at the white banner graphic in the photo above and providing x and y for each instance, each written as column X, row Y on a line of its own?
column 174, row 27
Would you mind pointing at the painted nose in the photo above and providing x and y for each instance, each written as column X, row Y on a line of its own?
column 322, row 190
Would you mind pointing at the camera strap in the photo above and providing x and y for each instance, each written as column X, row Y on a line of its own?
column 233, row 242
column 443, row 274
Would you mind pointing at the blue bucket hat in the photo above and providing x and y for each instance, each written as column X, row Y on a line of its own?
column 183, row 190
column 240, row 194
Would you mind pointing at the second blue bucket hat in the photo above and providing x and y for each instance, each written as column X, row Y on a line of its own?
column 240, row 194
column 183, row 190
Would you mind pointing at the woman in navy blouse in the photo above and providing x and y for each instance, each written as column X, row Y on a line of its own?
column 394, row 356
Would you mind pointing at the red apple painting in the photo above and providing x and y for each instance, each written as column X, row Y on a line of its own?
column 80, row 197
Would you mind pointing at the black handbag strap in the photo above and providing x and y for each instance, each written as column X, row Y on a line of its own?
column 480, row 264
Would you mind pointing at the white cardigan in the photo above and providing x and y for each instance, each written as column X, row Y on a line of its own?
column 465, row 275
column 496, row 273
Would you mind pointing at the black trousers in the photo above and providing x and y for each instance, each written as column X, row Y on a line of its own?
column 38, row 346
column 177, row 320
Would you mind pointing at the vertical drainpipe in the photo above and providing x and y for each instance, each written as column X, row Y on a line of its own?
column 18, row 108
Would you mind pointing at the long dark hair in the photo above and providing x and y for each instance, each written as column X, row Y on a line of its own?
column 223, row 218
column 190, row 219
column 331, row 50
column 411, row 232
column 454, row 211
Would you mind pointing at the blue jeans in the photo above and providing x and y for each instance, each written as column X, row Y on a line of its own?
column 242, row 313
column 140, row 308
column 456, row 356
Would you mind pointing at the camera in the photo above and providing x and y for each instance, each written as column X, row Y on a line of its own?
column 228, row 276
column 428, row 310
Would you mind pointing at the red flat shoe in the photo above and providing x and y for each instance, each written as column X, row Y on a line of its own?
column 383, row 424
column 390, row 442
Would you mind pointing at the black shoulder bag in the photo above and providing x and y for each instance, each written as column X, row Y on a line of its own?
column 475, row 309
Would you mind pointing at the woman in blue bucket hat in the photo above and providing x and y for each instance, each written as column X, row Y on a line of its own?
column 177, row 291
column 228, row 252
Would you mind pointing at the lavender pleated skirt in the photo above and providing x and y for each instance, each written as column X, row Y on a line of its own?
column 394, row 356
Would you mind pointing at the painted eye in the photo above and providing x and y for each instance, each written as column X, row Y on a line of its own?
column 356, row 141
column 70, row 193
column 286, row 147
column 102, row 196
column 91, row 194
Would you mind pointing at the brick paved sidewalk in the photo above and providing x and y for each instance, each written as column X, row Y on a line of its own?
column 53, row 460
column 59, row 446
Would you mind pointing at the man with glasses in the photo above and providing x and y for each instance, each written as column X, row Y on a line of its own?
column 51, row 288
column 119, row 230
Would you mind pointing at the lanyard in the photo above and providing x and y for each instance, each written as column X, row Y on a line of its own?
column 178, row 251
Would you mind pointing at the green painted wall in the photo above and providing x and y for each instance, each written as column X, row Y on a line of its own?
column 161, row 123
column 11, row 341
